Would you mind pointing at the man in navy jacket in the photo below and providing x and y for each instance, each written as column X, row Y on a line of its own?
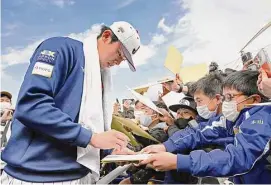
column 45, row 130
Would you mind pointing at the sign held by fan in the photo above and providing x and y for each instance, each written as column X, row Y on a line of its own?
column 173, row 60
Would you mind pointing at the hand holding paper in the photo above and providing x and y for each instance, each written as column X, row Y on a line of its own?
column 162, row 161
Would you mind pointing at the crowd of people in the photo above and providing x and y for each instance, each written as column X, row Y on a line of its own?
column 219, row 130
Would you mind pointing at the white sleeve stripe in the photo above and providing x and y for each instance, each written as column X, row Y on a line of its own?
column 220, row 123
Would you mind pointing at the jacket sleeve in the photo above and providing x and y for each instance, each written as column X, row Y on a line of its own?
column 251, row 144
column 197, row 138
column 172, row 129
column 36, row 108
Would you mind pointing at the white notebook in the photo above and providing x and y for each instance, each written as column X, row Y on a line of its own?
column 120, row 158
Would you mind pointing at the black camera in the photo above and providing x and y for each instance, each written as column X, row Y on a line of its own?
column 246, row 57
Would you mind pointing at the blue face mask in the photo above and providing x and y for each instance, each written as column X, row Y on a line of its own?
column 145, row 120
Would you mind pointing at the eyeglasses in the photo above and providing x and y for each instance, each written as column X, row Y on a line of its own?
column 229, row 97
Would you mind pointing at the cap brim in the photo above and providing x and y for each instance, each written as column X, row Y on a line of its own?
column 128, row 58
column 176, row 107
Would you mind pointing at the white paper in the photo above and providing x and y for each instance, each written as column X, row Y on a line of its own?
column 145, row 87
column 145, row 100
column 118, row 158
column 172, row 98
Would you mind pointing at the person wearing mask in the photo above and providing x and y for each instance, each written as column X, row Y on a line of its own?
column 150, row 118
column 64, row 109
column 245, row 159
column 186, row 115
column 6, row 109
column 6, row 116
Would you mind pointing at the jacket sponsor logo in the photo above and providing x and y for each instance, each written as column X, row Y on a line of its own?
column 259, row 121
column 43, row 69
column 47, row 56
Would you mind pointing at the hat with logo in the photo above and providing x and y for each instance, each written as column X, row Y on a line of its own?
column 185, row 103
column 129, row 38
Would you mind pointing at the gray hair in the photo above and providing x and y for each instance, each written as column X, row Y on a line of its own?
column 244, row 82
column 210, row 85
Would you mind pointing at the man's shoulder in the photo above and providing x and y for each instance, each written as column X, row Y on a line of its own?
column 62, row 42
column 260, row 111
column 258, row 115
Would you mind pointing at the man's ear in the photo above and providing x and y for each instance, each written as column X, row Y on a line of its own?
column 106, row 36
column 218, row 98
column 257, row 98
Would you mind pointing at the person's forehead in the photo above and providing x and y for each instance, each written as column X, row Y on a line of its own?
column 227, row 90
column 139, row 104
column 200, row 95
column 5, row 98
column 183, row 110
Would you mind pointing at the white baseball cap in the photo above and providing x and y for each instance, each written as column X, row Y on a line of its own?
column 129, row 38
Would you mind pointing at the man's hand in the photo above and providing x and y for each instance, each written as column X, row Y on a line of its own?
column 126, row 104
column 7, row 115
column 176, row 85
column 162, row 161
column 124, row 151
column 166, row 117
column 116, row 108
column 110, row 139
column 154, row 149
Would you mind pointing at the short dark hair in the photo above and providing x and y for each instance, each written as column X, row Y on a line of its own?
column 210, row 85
column 244, row 82
column 114, row 38
column 2, row 96
column 137, row 101
column 191, row 88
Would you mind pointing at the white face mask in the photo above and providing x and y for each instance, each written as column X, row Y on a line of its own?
column 205, row 113
column 145, row 120
column 5, row 105
column 137, row 114
column 229, row 110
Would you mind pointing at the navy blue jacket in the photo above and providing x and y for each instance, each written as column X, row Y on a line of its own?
column 244, row 159
column 175, row 144
column 45, row 133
